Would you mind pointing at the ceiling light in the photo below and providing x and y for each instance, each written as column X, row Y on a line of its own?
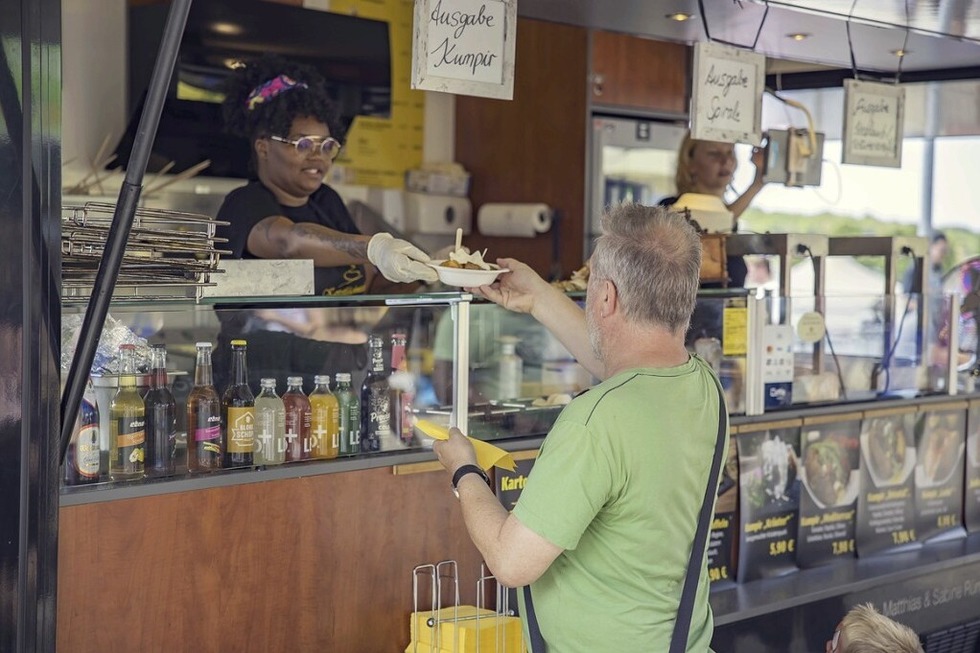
column 799, row 36
column 231, row 29
column 679, row 16
column 901, row 53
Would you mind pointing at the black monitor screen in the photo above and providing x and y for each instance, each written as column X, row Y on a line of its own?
column 353, row 55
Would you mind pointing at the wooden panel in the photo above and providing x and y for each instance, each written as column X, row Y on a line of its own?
column 639, row 73
column 322, row 563
column 532, row 149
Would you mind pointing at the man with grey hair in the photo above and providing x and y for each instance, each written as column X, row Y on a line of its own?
column 601, row 536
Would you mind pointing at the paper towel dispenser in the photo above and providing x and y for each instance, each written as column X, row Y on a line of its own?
column 437, row 214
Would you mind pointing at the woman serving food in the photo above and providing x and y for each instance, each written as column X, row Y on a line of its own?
column 286, row 211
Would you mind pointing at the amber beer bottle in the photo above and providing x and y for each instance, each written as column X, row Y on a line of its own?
column 127, row 422
column 325, row 423
column 205, row 446
column 298, row 417
column 83, row 463
column 238, row 411
column 161, row 417
column 375, row 400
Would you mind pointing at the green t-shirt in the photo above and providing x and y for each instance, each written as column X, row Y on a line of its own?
column 618, row 485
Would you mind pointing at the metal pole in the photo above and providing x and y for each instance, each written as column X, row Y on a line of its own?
column 122, row 219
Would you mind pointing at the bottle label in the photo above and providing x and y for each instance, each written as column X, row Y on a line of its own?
column 208, row 433
column 87, row 453
column 130, row 436
column 241, row 429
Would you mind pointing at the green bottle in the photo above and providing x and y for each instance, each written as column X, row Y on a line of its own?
column 350, row 416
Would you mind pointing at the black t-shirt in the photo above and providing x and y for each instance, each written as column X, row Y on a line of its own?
column 245, row 207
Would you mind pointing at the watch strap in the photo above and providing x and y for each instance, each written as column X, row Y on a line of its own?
column 463, row 470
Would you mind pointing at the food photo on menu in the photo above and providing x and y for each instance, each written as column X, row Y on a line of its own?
column 941, row 437
column 971, row 496
column 886, row 501
column 769, row 493
column 831, row 480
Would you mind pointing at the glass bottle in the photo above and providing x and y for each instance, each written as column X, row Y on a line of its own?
column 205, row 444
column 270, row 426
column 83, row 463
column 238, row 411
column 510, row 369
column 402, row 391
column 325, row 421
column 161, row 417
column 350, row 416
column 375, row 400
column 127, row 422
column 298, row 444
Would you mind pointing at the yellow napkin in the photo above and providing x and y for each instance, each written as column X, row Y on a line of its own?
column 487, row 455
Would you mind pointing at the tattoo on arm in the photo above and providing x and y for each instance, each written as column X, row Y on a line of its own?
column 338, row 241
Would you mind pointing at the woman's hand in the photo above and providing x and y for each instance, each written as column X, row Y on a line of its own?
column 515, row 290
column 399, row 260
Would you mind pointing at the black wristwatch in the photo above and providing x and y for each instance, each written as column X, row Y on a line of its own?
column 463, row 470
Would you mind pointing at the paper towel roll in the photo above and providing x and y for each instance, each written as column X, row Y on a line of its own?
column 524, row 220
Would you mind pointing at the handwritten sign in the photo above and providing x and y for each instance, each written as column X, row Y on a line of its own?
column 874, row 123
column 726, row 102
column 465, row 47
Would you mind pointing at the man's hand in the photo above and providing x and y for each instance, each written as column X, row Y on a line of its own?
column 515, row 290
column 455, row 451
column 399, row 260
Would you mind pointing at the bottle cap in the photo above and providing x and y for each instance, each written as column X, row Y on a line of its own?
column 203, row 344
column 238, row 343
column 294, row 380
column 343, row 377
column 321, row 379
column 267, row 383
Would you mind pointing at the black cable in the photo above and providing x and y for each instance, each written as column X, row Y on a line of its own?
column 886, row 360
column 803, row 249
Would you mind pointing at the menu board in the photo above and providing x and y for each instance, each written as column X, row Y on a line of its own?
column 769, row 493
column 726, row 94
column 886, row 501
column 874, row 122
column 724, row 526
column 940, row 437
column 971, row 499
column 831, row 478
column 465, row 47
column 510, row 484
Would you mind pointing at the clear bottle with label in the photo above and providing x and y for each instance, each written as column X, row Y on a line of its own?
column 127, row 422
column 325, row 418
column 402, row 385
column 205, row 444
column 238, row 411
column 161, row 418
column 299, row 445
column 375, row 399
column 83, row 463
column 270, row 426
column 350, row 416
column 510, row 369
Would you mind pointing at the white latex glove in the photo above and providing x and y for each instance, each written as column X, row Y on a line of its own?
column 399, row 260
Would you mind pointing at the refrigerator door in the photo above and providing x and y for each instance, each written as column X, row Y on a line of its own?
column 632, row 160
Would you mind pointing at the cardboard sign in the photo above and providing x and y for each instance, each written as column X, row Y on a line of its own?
column 465, row 47
column 874, row 123
column 726, row 99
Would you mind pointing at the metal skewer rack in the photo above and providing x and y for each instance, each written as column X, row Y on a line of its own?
column 170, row 255
column 448, row 627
